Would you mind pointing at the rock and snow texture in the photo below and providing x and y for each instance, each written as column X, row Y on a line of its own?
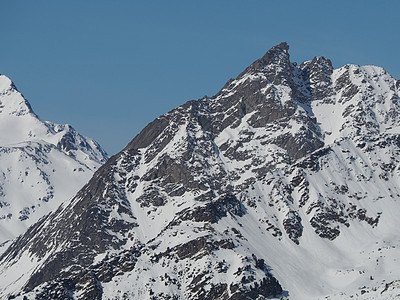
column 286, row 184
column 42, row 164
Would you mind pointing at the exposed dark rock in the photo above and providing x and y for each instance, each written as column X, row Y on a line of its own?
column 213, row 211
column 293, row 226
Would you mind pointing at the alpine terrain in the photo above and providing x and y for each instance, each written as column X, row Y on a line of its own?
column 284, row 185
column 42, row 164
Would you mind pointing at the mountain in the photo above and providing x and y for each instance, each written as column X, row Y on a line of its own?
column 42, row 164
column 283, row 185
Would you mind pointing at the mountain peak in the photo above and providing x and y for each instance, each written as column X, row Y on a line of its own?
column 5, row 83
column 280, row 48
column 11, row 100
column 19, row 124
column 36, row 156
column 274, row 65
column 277, row 55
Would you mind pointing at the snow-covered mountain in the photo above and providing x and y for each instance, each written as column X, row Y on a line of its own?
column 42, row 164
column 286, row 184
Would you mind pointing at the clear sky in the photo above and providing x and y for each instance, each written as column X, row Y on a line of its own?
column 109, row 67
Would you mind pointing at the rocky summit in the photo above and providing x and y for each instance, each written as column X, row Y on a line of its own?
column 284, row 185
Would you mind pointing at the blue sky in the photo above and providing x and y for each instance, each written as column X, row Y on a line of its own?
column 110, row 67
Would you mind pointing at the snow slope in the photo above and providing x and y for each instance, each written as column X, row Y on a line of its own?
column 42, row 164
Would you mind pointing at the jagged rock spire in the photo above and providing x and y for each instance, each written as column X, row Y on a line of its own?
column 275, row 65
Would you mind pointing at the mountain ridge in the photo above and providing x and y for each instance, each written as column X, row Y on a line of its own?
column 282, row 185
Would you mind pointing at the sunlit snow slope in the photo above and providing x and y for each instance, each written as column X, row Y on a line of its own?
column 42, row 164
column 286, row 184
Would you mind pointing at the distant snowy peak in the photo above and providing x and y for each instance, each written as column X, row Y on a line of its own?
column 19, row 124
column 68, row 140
column 12, row 102
column 42, row 164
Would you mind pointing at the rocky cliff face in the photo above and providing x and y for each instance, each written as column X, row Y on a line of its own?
column 283, row 185
column 42, row 164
